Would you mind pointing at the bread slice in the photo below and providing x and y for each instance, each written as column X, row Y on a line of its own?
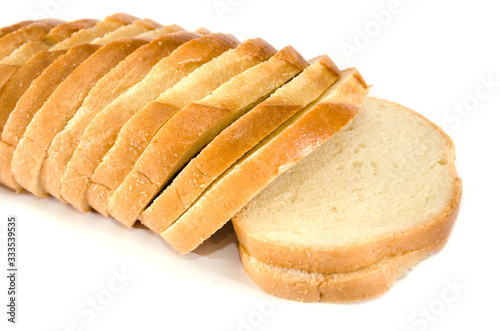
column 32, row 100
column 101, row 133
column 125, row 75
column 20, row 80
column 236, row 140
column 343, row 287
column 31, row 32
column 193, row 127
column 140, row 129
column 14, row 27
column 40, row 90
column 109, row 24
column 58, row 34
column 154, row 34
column 131, row 30
column 384, row 185
column 287, row 145
column 60, row 107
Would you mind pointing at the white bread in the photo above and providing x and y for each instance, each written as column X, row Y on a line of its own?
column 101, row 133
column 109, row 24
column 136, row 28
column 350, row 286
column 167, row 29
column 236, row 140
column 60, row 107
column 32, row 32
column 286, row 146
column 41, row 88
column 384, row 185
column 125, row 75
column 140, row 129
column 193, row 127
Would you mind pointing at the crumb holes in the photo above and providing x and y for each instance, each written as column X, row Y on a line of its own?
column 363, row 144
column 443, row 161
column 357, row 163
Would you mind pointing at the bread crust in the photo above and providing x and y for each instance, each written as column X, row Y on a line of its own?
column 109, row 24
column 140, row 129
column 340, row 104
column 60, row 107
column 193, row 127
column 236, row 140
column 32, row 100
column 132, row 30
column 126, row 74
column 101, row 133
column 16, row 26
column 357, row 256
column 356, row 285
column 31, row 32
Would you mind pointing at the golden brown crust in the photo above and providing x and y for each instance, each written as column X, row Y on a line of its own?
column 20, row 81
column 357, row 256
column 32, row 100
column 257, row 48
column 13, row 27
column 273, row 157
column 130, row 71
column 122, row 18
column 140, row 129
column 356, row 285
column 65, row 30
column 31, row 32
column 236, row 140
column 102, row 131
column 293, row 57
column 59, row 109
column 191, row 129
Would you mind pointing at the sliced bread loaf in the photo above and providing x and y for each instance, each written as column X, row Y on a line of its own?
column 11, row 28
column 384, row 185
column 193, row 127
column 140, row 129
column 101, row 133
column 286, row 146
column 136, row 28
column 236, row 140
column 60, row 107
column 125, row 75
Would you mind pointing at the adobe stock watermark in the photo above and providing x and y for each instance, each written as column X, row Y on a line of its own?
column 363, row 36
column 48, row 9
column 95, row 304
column 485, row 89
column 430, row 312
column 264, row 309
column 223, row 7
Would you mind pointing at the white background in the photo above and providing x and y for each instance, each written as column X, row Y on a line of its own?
column 428, row 55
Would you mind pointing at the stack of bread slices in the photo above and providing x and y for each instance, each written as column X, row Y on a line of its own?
column 332, row 195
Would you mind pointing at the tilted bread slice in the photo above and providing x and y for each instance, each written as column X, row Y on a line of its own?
column 193, row 127
column 140, row 129
column 384, row 195
column 14, row 27
column 60, row 107
column 236, row 140
column 125, row 75
column 31, row 32
column 32, row 100
column 56, row 35
column 286, row 146
column 131, row 30
column 167, row 29
column 107, row 25
column 101, row 133
column 20, row 80
column 384, row 185
column 350, row 286
column 41, row 89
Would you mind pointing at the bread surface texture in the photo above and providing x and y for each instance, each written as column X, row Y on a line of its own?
column 384, row 184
